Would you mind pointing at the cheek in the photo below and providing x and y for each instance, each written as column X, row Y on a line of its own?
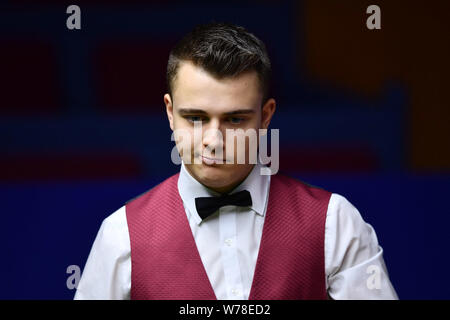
column 237, row 141
column 183, row 139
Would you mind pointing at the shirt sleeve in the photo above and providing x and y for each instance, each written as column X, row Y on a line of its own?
column 107, row 273
column 354, row 263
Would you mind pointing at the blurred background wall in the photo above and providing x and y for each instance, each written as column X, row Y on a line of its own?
column 364, row 113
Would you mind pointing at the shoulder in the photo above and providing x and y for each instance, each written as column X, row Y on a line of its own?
column 113, row 232
column 167, row 185
column 296, row 187
column 344, row 216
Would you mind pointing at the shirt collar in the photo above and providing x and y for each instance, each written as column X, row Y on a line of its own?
column 257, row 184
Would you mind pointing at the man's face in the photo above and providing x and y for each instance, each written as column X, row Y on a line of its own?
column 231, row 103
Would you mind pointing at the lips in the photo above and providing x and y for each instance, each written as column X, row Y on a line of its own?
column 211, row 161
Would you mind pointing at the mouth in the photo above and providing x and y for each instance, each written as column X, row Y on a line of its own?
column 212, row 161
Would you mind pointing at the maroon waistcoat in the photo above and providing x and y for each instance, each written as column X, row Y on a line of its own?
column 165, row 262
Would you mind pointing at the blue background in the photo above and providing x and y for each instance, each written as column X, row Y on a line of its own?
column 75, row 150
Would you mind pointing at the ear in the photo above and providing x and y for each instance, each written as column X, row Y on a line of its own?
column 267, row 113
column 169, row 109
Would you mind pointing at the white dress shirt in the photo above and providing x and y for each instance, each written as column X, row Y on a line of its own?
column 228, row 244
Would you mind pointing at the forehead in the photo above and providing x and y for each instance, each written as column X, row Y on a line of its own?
column 194, row 87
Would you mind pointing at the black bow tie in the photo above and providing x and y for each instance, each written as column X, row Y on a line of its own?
column 208, row 205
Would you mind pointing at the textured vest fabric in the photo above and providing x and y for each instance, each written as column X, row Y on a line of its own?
column 166, row 265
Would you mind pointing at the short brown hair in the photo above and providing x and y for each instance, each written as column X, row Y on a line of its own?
column 223, row 50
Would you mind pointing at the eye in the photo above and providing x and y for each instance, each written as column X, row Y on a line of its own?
column 235, row 120
column 194, row 118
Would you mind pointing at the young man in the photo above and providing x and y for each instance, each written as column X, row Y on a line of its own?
column 220, row 229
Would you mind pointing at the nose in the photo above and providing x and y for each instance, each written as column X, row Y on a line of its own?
column 213, row 137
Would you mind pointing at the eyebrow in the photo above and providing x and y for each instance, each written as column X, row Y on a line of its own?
column 184, row 111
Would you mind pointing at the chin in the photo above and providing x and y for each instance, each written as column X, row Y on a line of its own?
column 216, row 176
column 212, row 173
